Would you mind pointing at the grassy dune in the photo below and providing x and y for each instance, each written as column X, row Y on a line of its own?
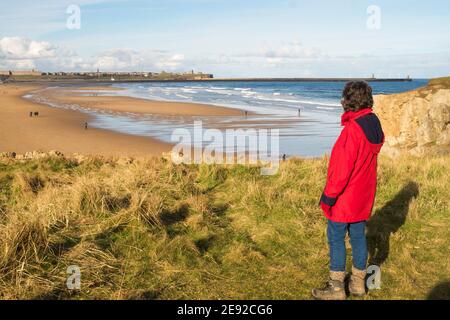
column 443, row 82
column 153, row 230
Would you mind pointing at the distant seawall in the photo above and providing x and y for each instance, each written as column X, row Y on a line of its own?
column 309, row 79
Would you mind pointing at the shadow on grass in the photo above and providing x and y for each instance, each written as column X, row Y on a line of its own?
column 145, row 295
column 440, row 292
column 105, row 239
column 168, row 218
column 387, row 221
column 205, row 243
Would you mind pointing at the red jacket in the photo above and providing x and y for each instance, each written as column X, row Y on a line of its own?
column 352, row 173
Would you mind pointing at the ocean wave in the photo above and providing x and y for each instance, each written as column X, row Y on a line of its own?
column 309, row 102
column 326, row 108
column 219, row 92
column 188, row 90
column 243, row 96
column 182, row 96
column 219, row 88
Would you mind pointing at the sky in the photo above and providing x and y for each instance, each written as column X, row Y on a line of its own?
column 229, row 38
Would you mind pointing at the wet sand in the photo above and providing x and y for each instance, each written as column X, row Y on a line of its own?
column 61, row 130
column 117, row 103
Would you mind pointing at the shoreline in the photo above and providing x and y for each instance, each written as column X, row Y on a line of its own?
column 62, row 130
column 60, row 125
column 126, row 104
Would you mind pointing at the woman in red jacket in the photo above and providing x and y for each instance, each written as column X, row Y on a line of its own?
column 349, row 194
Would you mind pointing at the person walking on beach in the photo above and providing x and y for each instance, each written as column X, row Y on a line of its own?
column 85, row 126
column 349, row 194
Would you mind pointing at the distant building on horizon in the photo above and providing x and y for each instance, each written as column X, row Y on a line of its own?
column 204, row 76
column 32, row 72
column 117, row 75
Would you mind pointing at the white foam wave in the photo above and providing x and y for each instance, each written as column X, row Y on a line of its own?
column 188, row 90
column 326, row 108
column 182, row 96
column 309, row 102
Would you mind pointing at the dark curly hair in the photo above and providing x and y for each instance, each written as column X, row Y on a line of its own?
column 357, row 95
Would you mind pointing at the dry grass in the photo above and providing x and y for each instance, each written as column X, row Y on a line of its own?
column 153, row 230
column 441, row 82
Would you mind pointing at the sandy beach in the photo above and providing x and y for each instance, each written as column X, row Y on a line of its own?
column 63, row 130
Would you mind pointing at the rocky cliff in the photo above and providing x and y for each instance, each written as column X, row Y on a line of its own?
column 416, row 122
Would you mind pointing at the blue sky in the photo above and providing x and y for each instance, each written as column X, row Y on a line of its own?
column 230, row 38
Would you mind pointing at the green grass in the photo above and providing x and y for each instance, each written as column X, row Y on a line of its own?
column 153, row 230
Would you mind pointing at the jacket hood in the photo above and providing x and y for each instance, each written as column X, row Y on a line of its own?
column 350, row 115
column 369, row 125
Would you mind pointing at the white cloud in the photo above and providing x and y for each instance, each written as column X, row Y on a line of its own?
column 16, row 48
column 122, row 59
column 170, row 63
column 23, row 64
column 23, row 53
column 289, row 52
column 287, row 60
column 118, row 59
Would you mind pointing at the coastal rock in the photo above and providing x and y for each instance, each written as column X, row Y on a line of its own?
column 123, row 161
column 8, row 155
column 416, row 122
column 40, row 155
column 79, row 158
column 32, row 155
column 54, row 153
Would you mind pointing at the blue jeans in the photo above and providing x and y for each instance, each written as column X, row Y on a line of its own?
column 336, row 239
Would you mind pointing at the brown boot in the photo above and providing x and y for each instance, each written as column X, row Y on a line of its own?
column 357, row 284
column 334, row 289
